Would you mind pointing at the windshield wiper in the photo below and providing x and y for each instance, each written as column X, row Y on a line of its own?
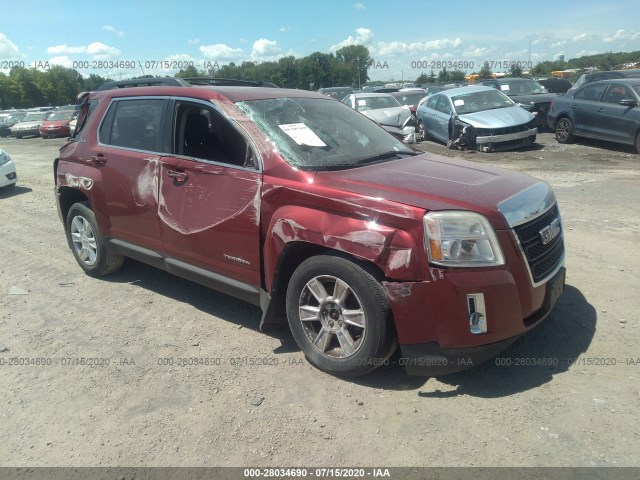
column 384, row 156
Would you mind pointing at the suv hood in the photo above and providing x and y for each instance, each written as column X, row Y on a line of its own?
column 394, row 116
column 433, row 182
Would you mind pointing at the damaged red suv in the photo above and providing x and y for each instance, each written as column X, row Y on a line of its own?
column 303, row 206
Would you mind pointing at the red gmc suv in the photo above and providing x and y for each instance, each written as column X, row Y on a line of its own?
column 301, row 205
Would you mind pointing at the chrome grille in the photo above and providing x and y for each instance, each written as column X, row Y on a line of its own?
column 542, row 258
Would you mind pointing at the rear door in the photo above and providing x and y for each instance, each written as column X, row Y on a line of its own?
column 209, row 195
column 130, row 145
column 444, row 110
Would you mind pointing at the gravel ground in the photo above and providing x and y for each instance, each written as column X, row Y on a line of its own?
column 145, row 408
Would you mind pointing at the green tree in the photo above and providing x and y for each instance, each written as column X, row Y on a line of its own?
column 360, row 60
column 457, row 76
column 190, row 72
column 485, row 72
column 515, row 70
column 443, row 76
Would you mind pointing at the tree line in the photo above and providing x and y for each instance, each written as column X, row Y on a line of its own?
column 30, row 87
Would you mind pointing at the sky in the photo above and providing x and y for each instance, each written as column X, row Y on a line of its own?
column 122, row 39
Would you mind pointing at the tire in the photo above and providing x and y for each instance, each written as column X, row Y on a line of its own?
column 87, row 244
column 422, row 132
column 638, row 142
column 564, row 130
column 339, row 344
column 18, row 136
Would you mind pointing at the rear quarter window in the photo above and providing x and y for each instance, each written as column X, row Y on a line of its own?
column 134, row 124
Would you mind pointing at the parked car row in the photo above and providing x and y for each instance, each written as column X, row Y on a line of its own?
column 46, row 124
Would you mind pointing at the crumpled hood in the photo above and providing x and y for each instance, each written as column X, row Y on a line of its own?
column 498, row 117
column 433, row 182
column 394, row 116
column 531, row 99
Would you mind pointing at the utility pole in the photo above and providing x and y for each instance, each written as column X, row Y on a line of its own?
column 358, row 59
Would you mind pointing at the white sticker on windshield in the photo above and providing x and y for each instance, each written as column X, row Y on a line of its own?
column 504, row 88
column 302, row 135
column 458, row 103
column 362, row 103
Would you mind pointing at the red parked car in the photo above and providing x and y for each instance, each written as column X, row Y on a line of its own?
column 310, row 210
column 57, row 124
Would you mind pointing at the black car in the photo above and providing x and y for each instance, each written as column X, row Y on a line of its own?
column 606, row 110
column 555, row 84
column 531, row 96
column 605, row 75
column 9, row 121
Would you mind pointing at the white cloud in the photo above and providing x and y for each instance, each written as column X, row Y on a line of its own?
column 621, row 36
column 583, row 53
column 109, row 28
column 8, row 50
column 581, row 38
column 62, row 60
column 265, row 48
column 475, row 52
column 100, row 51
column 220, row 51
column 541, row 37
column 66, row 49
column 394, row 48
column 561, row 43
column 193, row 41
column 359, row 6
column 364, row 37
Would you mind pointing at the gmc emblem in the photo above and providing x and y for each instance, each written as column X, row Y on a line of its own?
column 550, row 232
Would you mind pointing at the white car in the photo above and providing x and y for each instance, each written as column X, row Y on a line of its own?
column 8, row 177
column 387, row 111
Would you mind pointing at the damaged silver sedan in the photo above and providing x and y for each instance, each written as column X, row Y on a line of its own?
column 475, row 118
column 386, row 110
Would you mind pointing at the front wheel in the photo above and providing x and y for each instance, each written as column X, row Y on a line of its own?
column 564, row 130
column 339, row 316
column 422, row 132
column 87, row 244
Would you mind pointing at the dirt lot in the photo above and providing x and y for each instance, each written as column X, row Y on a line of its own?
column 144, row 409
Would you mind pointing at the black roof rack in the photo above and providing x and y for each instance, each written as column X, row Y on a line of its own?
column 182, row 82
column 228, row 82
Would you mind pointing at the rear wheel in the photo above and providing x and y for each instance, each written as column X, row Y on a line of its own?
column 87, row 244
column 564, row 130
column 339, row 316
column 638, row 142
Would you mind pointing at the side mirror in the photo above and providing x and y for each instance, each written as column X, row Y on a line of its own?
column 628, row 102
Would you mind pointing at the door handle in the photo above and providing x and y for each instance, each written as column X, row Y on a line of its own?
column 98, row 159
column 177, row 175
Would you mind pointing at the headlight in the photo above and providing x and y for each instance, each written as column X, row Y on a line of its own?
column 4, row 157
column 461, row 239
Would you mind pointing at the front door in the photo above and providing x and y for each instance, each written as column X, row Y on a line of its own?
column 209, row 195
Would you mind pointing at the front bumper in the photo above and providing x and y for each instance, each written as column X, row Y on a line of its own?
column 509, row 137
column 8, row 174
column 406, row 134
column 433, row 321
column 54, row 131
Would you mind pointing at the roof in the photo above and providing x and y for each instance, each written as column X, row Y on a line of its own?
column 371, row 94
column 633, row 81
column 234, row 94
column 452, row 92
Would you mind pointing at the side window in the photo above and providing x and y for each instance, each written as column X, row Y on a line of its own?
column 433, row 101
column 134, row 124
column 617, row 92
column 592, row 91
column 203, row 133
column 443, row 105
